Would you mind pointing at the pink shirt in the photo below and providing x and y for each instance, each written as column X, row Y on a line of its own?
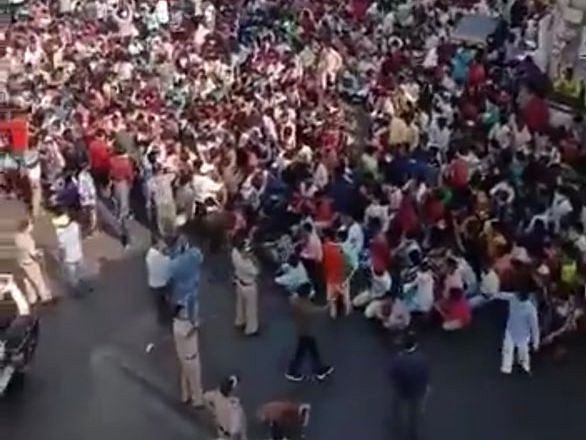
column 312, row 250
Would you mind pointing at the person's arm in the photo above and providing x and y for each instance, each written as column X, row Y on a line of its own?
column 505, row 296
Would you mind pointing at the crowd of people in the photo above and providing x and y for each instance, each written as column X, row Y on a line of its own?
column 382, row 165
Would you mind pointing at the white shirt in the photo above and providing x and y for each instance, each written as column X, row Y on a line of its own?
column 162, row 11
column 205, row 187
column 34, row 173
column 200, row 35
column 157, row 265
column 356, row 237
column 380, row 284
column 489, row 283
column 439, row 137
column 424, row 282
column 502, row 134
column 69, row 239
column 581, row 244
column 320, row 176
column 270, row 127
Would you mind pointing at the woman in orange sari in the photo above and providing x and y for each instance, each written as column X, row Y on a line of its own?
column 334, row 267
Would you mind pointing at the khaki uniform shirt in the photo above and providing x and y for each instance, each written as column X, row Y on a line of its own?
column 228, row 414
column 186, row 340
column 244, row 267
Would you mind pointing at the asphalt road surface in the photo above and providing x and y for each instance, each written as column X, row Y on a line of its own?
column 93, row 379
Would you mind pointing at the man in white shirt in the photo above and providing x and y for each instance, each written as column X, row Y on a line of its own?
column 204, row 186
column 373, row 298
column 158, row 272
column 355, row 238
column 439, row 134
column 69, row 239
column 420, row 293
column 161, row 190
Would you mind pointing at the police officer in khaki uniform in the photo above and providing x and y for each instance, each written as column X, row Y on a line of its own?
column 227, row 411
column 28, row 260
column 186, row 336
column 245, row 271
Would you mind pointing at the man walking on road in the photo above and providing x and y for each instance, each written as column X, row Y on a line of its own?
column 186, row 337
column 70, row 248
column 245, row 272
column 304, row 312
column 410, row 378
column 28, row 260
column 158, row 266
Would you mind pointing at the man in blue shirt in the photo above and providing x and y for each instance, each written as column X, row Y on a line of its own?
column 185, row 272
column 410, row 378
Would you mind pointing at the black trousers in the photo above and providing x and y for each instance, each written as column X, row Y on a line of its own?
column 306, row 346
column 164, row 313
column 407, row 414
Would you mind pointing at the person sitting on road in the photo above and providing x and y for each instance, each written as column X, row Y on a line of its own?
column 373, row 297
column 292, row 275
column 455, row 310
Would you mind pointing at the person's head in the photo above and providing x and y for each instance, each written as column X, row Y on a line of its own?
column 25, row 225
column 228, row 385
column 304, row 290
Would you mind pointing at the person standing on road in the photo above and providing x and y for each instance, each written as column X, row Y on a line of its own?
column 304, row 312
column 161, row 189
column 227, row 411
column 87, row 199
column 32, row 165
column 28, row 258
column 410, row 379
column 522, row 328
column 184, row 276
column 245, row 272
column 122, row 177
column 186, row 337
column 70, row 248
column 158, row 264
